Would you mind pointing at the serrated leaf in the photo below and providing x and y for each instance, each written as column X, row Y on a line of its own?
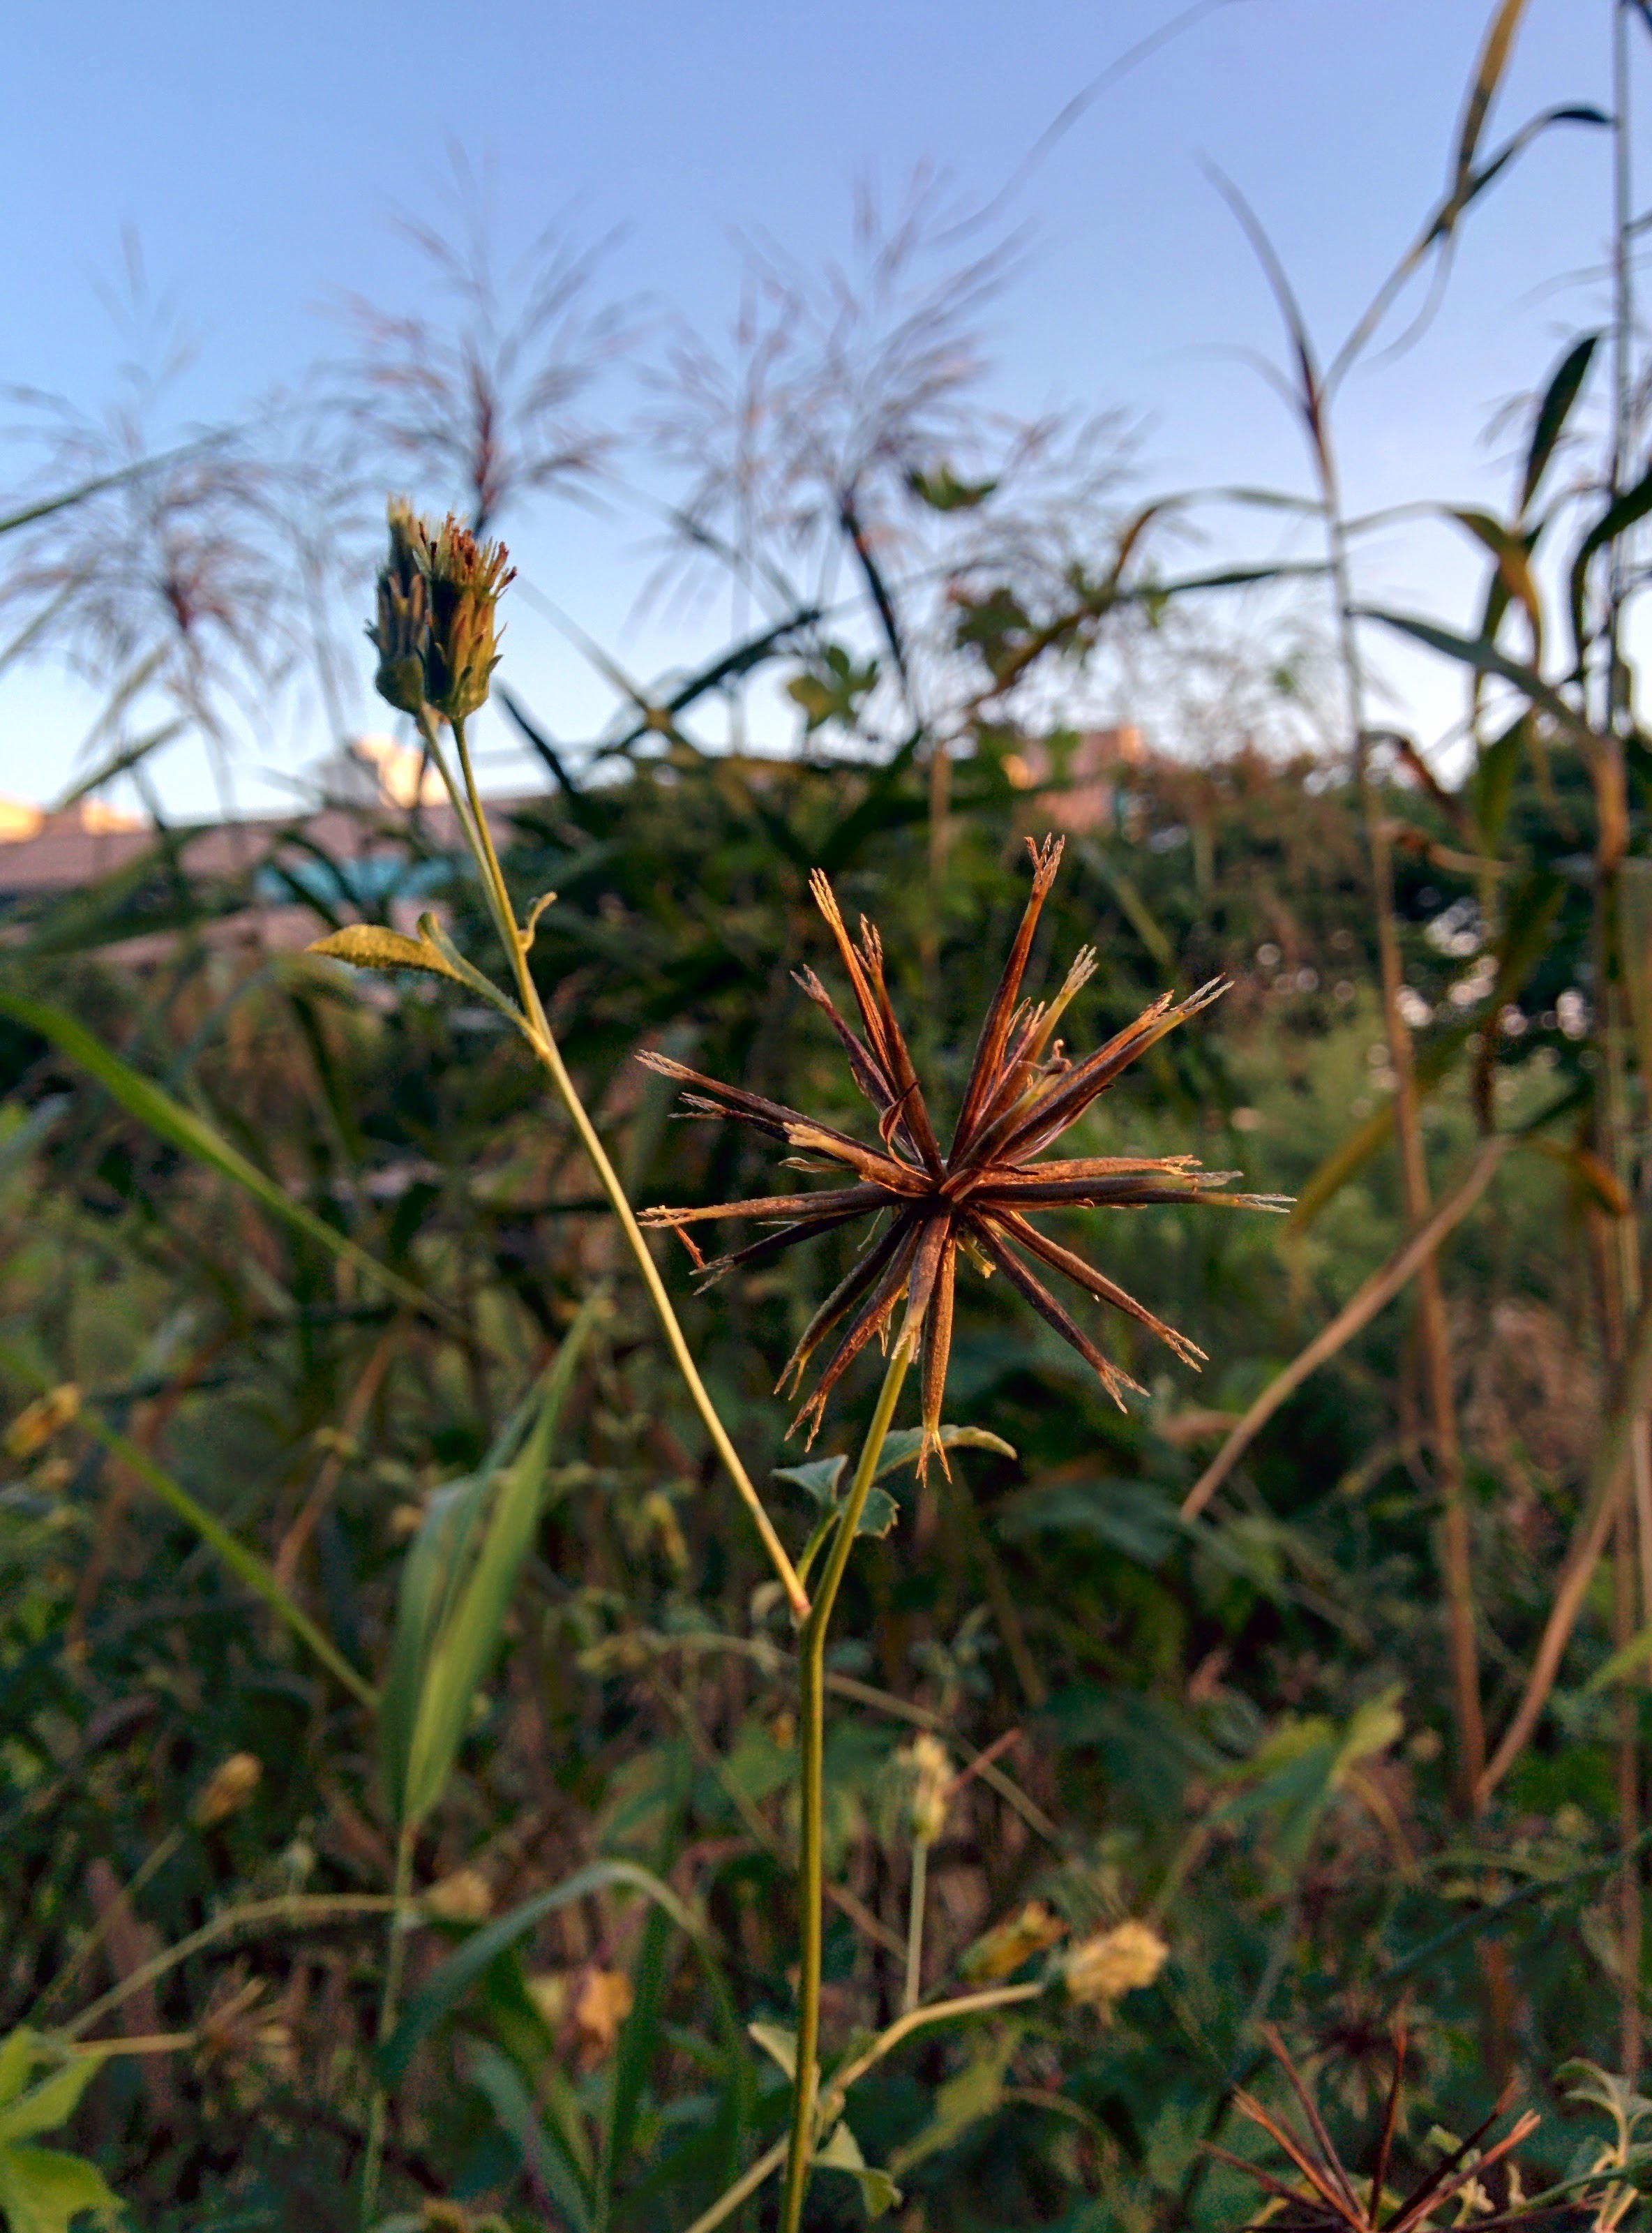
column 42, row 2190
column 52, row 2102
column 842, row 2152
column 370, row 946
column 818, row 1478
column 878, row 1514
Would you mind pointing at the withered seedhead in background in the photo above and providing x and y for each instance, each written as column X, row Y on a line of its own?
column 1333, row 2201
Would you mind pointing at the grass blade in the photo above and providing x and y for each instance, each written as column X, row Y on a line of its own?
column 181, row 1127
column 442, row 1991
column 465, row 1634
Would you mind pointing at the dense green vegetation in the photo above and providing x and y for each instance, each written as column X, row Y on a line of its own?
column 403, row 1762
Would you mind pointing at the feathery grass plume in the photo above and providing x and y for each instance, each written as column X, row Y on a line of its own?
column 1022, row 1094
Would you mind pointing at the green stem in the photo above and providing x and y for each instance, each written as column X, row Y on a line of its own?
column 811, row 1737
column 539, row 1035
column 915, row 1925
column 395, row 1957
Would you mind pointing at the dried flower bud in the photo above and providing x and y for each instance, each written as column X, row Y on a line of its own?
column 1006, row 1947
column 926, row 1762
column 605, row 2001
column 402, row 635
column 465, row 1897
column 36, row 1423
column 465, row 579
column 1103, row 1968
column 231, row 1784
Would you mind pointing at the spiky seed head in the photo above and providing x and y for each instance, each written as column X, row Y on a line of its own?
column 401, row 634
column 465, row 579
column 1103, row 1968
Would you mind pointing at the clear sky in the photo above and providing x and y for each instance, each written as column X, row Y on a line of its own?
column 260, row 156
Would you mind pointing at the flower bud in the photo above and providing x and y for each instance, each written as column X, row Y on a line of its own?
column 929, row 1772
column 465, row 579
column 1103, row 1968
column 231, row 1784
column 1005, row 1947
column 36, row 1423
column 402, row 635
column 465, row 1897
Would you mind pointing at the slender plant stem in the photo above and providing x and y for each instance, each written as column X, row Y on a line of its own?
column 395, row 1957
column 154, row 1862
column 1456, row 1546
column 919, row 1899
column 294, row 1910
column 474, row 824
column 811, row 1739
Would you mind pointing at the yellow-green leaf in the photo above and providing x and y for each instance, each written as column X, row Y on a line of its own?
column 42, row 2190
column 370, row 946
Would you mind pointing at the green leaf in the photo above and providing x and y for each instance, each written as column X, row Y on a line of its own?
column 1627, row 1660
column 1432, row 1066
column 779, row 2044
column 1484, row 658
column 497, row 2079
column 444, row 1989
column 1555, row 409
column 902, row 1446
column 821, row 1478
column 41, row 2190
column 1619, row 514
column 842, row 2152
column 25, row 2109
column 976, row 2092
column 452, row 1611
column 1128, row 1516
column 169, row 1120
column 370, row 945
column 942, row 490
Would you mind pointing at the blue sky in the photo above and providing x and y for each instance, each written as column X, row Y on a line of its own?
column 260, row 156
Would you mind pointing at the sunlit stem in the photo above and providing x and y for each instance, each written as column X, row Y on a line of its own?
column 473, row 822
column 915, row 1924
column 811, row 1738
column 395, row 1957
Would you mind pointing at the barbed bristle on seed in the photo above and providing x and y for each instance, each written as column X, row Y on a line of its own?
column 976, row 1199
